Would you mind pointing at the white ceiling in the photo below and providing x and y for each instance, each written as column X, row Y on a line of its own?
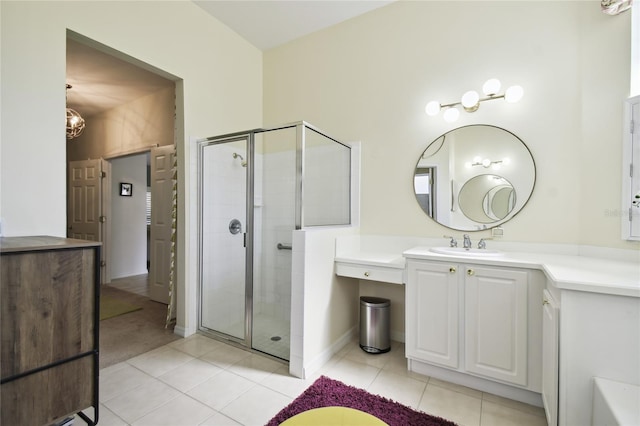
column 102, row 81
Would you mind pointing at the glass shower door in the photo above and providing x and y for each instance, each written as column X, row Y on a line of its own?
column 223, row 221
column 274, row 222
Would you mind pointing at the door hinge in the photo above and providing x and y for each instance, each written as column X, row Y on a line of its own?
column 632, row 126
column 631, row 170
column 103, row 263
column 103, row 174
column 103, row 219
column 630, row 215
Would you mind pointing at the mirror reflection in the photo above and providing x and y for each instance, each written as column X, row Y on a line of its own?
column 474, row 177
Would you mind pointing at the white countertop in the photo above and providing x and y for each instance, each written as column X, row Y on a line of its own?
column 388, row 260
column 564, row 269
column 566, row 272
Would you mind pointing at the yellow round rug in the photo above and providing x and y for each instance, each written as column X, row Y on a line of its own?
column 333, row 416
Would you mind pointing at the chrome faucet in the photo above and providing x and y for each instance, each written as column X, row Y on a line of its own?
column 482, row 244
column 453, row 242
column 467, row 241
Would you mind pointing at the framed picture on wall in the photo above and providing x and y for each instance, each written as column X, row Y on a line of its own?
column 126, row 189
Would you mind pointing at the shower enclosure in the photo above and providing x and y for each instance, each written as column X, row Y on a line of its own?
column 255, row 189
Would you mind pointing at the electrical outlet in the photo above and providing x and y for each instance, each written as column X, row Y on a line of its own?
column 497, row 233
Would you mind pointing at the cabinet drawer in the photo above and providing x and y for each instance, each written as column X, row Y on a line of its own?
column 374, row 273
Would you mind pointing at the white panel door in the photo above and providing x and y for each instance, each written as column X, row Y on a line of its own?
column 86, row 204
column 162, row 171
column 432, row 313
column 496, row 323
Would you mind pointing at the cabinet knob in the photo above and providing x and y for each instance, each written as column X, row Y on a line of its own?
column 470, row 272
column 452, row 270
column 366, row 274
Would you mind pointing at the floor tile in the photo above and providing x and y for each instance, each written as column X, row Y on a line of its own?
column 517, row 405
column 132, row 405
column 219, row 419
column 455, row 406
column 255, row 367
column 282, row 382
column 221, row 389
column 196, row 345
column 190, row 374
column 494, row 414
column 456, row 388
column 353, row 373
column 225, row 356
column 402, row 389
column 105, row 417
column 160, row 361
column 115, row 381
column 257, row 406
column 182, row 411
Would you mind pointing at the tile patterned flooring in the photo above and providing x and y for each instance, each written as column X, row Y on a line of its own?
column 200, row 381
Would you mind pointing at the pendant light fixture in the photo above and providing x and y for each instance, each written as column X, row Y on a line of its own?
column 75, row 122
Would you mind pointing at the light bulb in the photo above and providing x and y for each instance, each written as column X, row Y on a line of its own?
column 468, row 164
column 451, row 115
column 432, row 108
column 495, row 166
column 506, row 161
column 491, row 87
column 513, row 94
column 470, row 99
column 486, row 162
column 477, row 160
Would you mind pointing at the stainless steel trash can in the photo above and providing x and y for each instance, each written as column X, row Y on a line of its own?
column 374, row 324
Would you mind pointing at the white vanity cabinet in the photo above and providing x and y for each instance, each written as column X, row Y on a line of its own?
column 432, row 313
column 478, row 320
column 495, row 326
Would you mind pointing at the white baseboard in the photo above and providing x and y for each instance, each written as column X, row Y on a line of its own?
column 327, row 354
column 182, row 331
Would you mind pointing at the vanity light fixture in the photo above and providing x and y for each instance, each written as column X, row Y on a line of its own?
column 486, row 163
column 75, row 122
column 470, row 101
column 615, row 7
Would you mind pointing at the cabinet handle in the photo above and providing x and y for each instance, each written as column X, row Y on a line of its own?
column 452, row 270
column 470, row 272
column 366, row 274
column 545, row 302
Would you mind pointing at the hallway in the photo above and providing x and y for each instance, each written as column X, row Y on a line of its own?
column 137, row 332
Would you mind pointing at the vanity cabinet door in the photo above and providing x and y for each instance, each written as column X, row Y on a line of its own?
column 496, row 323
column 432, row 313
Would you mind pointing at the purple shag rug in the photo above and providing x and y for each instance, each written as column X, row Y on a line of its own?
column 326, row 392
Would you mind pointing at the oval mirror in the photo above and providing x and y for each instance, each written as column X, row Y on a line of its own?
column 474, row 177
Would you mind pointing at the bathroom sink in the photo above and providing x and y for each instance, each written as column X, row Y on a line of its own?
column 460, row 251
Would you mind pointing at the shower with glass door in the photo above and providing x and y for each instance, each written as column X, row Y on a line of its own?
column 255, row 189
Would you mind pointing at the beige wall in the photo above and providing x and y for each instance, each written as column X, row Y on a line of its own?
column 369, row 79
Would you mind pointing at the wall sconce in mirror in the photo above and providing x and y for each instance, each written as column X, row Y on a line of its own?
column 126, row 189
column 470, row 101
column 75, row 122
column 487, row 162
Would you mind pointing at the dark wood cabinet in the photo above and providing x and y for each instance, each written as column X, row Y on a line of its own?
column 49, row 321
